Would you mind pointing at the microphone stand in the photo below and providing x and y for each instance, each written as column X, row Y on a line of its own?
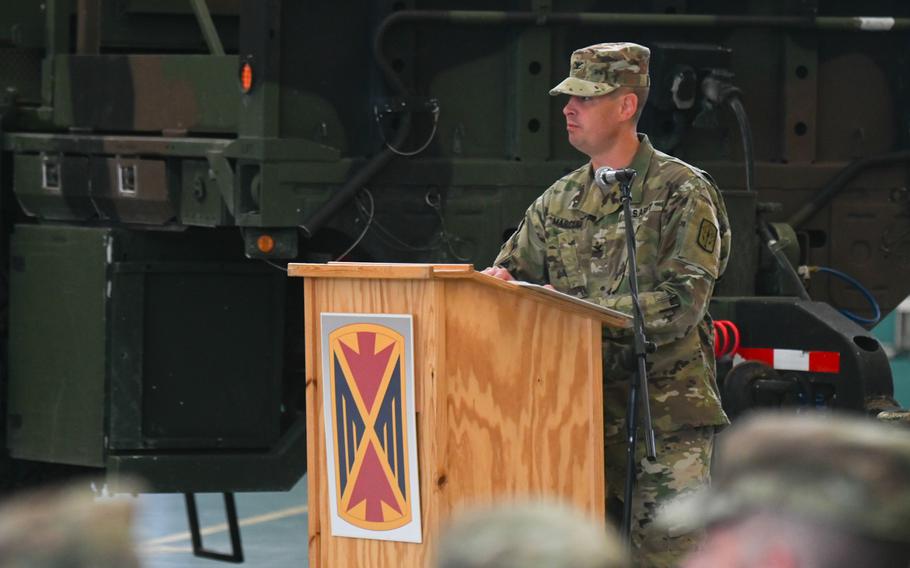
column 637, row 392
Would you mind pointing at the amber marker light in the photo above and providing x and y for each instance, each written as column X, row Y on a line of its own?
column 246, row 77
column 265, row 244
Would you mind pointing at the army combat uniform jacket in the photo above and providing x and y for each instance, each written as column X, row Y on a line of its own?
column 573, row 237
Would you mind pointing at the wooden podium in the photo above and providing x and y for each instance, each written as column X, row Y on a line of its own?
column 507, row 394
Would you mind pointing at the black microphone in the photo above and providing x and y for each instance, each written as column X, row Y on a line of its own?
column 607, row 176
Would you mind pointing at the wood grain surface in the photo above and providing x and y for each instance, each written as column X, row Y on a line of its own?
column 393, row 271
column 508, row 399
column 361, row 270
column 524, row 398
column 420, row 299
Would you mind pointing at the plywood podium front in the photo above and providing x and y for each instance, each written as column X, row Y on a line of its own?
column 507, row 394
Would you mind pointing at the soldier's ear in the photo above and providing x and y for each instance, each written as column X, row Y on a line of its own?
column 629, row 106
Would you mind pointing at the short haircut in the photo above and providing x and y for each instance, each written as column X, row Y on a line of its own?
column 641, row 96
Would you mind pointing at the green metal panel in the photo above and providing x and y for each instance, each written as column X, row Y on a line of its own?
column 229, row 7
column 113, row 145
column 530, row 120
column 131, row 190
column 180, row 93
column 196, row 350
column 278, row 469
column 260, row 47
column 125, row 364
column 22, row 23
column 53, row 186
column 20, row 73
column 57, row 344
column 200, row 197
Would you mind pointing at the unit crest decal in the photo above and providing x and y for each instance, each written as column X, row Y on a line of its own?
column 370, row 431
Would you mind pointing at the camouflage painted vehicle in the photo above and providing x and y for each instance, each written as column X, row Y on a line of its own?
column 163, row 159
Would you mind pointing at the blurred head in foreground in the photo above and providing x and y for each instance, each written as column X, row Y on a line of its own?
column 800, row 491
column 537, row 535
column 66, row 528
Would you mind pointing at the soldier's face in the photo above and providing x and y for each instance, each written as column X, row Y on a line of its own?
column 592, row 123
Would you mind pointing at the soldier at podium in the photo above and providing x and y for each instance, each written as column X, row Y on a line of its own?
column 572, row 238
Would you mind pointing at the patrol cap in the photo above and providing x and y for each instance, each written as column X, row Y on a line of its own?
column 604, row 67
column 897, row 416
column 837, row 470
column 529, row 535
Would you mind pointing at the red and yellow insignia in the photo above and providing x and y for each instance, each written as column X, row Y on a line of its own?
column 367, row 385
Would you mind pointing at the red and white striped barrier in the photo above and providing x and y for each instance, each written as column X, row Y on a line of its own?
column 791, row 359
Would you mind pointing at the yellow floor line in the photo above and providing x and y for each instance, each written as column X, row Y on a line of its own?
column 168, row 550
column 222, row 527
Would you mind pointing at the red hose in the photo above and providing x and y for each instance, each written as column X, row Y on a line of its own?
column 723, row 329
column 721, row 348
column 735, row 337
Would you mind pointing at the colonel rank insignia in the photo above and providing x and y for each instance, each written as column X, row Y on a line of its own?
column 370, row 426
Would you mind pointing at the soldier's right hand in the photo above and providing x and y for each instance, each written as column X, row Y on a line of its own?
column 497, row 272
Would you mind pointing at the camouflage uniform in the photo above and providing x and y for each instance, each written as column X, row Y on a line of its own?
column 681, row 468
column 573, row 237
column 847, row 475
column 530, row 535
column 901, row 417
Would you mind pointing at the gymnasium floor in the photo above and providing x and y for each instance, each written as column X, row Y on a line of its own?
column 273, row 529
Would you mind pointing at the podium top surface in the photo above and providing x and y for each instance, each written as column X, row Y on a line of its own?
column 381, row 270
column 395, row 271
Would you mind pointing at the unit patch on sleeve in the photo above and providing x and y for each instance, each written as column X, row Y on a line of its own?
column 707, row 235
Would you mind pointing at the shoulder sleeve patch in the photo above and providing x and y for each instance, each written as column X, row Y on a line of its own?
column 698, row 241
column 707, row 235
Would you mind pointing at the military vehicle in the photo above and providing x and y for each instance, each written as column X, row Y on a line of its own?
column 163, row 160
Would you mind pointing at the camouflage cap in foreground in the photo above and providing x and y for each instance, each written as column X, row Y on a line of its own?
column 900, row 416
column 602, row 68
column 535, row 535
column 843, row 471
column 66, row 528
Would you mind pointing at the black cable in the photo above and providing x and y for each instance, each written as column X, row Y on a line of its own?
column 339, row 198
column 731, row 95
column 773, row 245
column 407, row 153
column 745, row 131
column 363, row 233
column 436, row 205
column 444, row 234
column 274, row 264
column 384, row 231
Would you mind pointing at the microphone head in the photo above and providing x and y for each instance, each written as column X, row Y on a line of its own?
column 606, row 176
column 602, row 177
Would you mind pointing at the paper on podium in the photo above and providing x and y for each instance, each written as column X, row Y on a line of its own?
column 538, row 289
